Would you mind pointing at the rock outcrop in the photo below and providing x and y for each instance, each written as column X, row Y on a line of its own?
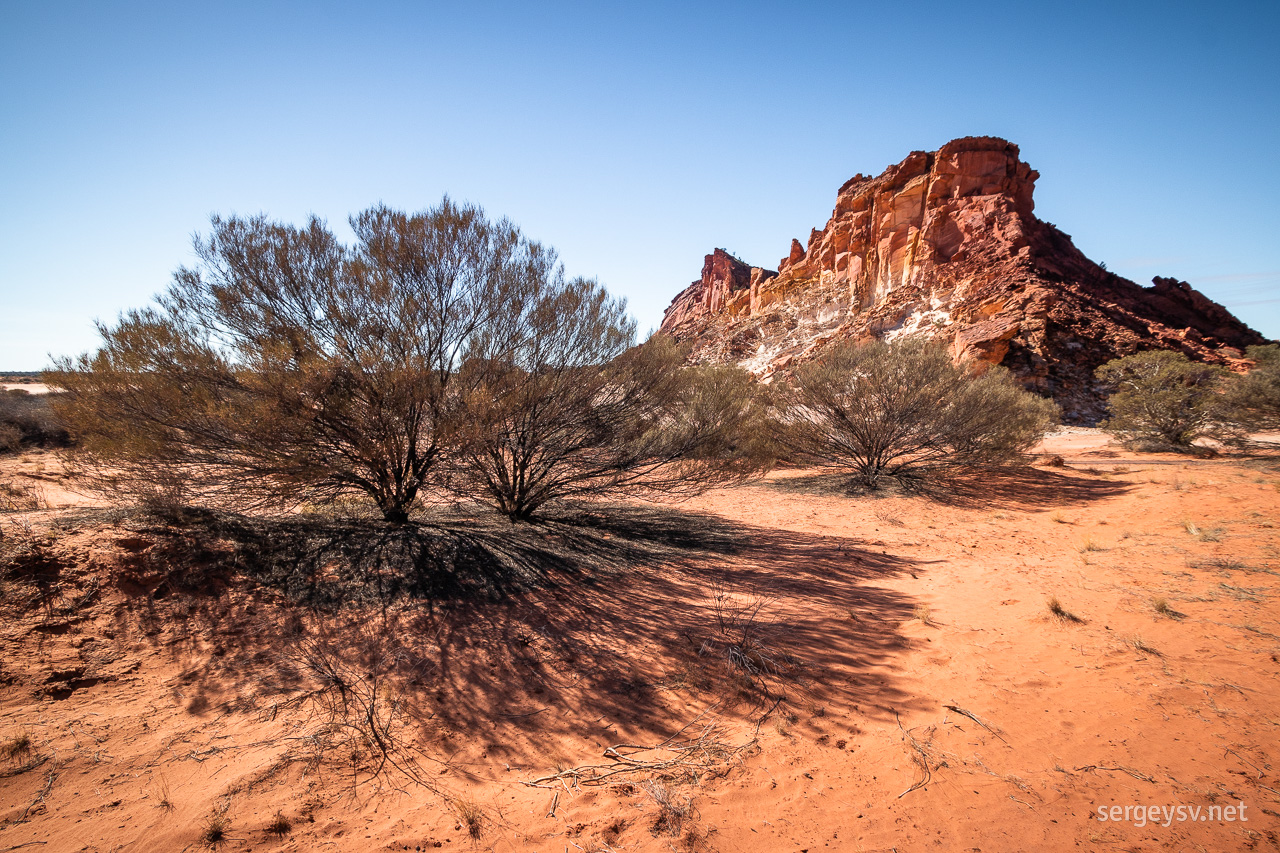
column 946, row 245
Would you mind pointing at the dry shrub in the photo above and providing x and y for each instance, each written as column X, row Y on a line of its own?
column 16, row 496
column 440, row 353
column 29, row 420
column 903, row 412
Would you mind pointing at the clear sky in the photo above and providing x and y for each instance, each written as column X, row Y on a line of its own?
column 633, row 137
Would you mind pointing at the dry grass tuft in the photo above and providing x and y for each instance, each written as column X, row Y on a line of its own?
column 163, row 796
column 1160, row 605
column 215, row 828
column 1090, row 544
column 1139, row 645
column 923, row 614
column 280, row 825
column 472, row 817
column 674, row 808
column 1061, row 613
column 19, row 744
column 1211, row 534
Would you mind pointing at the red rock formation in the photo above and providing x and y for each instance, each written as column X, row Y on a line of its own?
column 726, row 286
column 945, row 244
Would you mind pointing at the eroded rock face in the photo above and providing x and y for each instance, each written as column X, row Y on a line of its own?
column 946, row 245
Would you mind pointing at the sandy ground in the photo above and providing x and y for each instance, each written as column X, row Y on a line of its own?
column 816, row 672
column 29, row 387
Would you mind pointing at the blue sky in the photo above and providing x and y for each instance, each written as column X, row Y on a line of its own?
column 635, row 138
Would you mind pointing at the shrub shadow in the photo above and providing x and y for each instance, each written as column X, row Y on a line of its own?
column 523, row 634
column 1020, row 485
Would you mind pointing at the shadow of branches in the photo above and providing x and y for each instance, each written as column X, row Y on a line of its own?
column 1010, row 485
column 601, row 620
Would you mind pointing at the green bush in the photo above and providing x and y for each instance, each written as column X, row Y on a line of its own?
column 1160, row 399
column 1252, row 402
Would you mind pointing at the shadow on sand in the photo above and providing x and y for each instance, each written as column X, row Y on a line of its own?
column 1019, row 486
column 525, row 633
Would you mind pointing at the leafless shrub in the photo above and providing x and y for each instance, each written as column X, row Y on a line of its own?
column 19, row 497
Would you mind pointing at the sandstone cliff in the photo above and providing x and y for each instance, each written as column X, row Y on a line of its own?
column 946, row 244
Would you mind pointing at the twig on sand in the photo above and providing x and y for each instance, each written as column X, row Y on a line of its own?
column 704, row 752
column 1140, row 776
column 555, row 803
column 962, row 712
column 919, row 756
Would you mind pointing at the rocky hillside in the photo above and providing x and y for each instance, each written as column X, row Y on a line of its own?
column 946, row 244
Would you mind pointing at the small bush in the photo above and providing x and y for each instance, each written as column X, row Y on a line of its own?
column 1161, row 400
column 1252, row 402
column 28, row 420
column 904, row 412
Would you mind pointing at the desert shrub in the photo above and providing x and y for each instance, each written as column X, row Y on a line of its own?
column 1160, row 399
column 577, row 414
column 29, row 420
column 286, row 367
column 904, row 412
column 1251, row 402
column 441, row 354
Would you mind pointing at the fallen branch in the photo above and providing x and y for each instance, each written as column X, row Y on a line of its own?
column 920, row 757
column 1142, row 777
column 705, row 752
column 962, row 712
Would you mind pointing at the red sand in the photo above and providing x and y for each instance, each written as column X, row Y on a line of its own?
column 931, row 700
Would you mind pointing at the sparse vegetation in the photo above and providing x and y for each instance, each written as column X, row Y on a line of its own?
column 28, row 420
column 1161, row 400
column 905, row 413
column 578, row 414
column 1252, row 402
column 674, row 808
column 18, row 745
column 472, row 817
column 280, row 824
column 215, row 828
column 1061, row 613
column 1142, row 647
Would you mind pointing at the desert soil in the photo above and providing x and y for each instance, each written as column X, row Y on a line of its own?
column 788, row 669
column 29, row 387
